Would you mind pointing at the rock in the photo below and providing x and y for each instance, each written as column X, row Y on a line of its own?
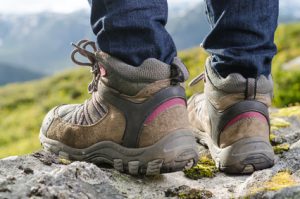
column 43, row 175
column 291, row 193
column 296, row 145
column 84, row 180
column 28, row 176
column 188, row 193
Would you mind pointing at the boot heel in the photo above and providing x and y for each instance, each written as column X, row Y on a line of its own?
column 246, row 156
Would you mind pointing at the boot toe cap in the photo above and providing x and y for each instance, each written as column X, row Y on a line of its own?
column 49, row 118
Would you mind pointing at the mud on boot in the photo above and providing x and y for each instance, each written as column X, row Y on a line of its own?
column 136, row 119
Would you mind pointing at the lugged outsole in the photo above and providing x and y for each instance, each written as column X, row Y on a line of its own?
column 250, row 164
column 174, row 152
column 242, row 157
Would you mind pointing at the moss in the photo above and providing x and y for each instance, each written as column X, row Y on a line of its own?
column 185, row 192
column 64, row 161
column 279, row 149
column 195, row 194
column 274, row 128
column 205, row 168
column 279, row 181
column 276, row 139
column 272, row 137
column 278, row 123
column 287, row 112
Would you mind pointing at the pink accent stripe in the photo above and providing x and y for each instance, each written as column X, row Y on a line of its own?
column 247, row 115
column 163, row 107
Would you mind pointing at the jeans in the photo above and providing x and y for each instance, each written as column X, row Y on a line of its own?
column 241, row 39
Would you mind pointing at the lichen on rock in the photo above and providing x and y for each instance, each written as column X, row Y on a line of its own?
column 277, row 123
column 287, row 112
column 275, row 139
column 279, row 149
column 185, row 192
column 280, row 180
column 64, row 161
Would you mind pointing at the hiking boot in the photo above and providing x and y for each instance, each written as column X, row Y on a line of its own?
column 232, row 119
column 136, row 119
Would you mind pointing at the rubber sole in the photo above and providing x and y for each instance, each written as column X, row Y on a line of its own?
column 174, row 152
column 243, row 157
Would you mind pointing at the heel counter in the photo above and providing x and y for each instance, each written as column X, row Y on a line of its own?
column 165, row 119
column 246, row 125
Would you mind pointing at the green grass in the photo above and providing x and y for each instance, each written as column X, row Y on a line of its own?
column 23, row 106
column 195, row 60
column 287, row 83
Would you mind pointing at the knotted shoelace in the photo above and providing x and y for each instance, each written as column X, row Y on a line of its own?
column 81, row 48
column 82, row 115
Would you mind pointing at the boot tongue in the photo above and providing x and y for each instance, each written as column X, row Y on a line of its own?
column 129, row 79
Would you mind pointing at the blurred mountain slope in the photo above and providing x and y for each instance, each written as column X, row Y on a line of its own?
column 10, row 73
column 40, row 42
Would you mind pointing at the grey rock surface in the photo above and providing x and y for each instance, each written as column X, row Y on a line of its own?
column 28, row 177
column 42, row 175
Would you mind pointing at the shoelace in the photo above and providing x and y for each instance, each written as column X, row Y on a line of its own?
column 197, row 79
column 81, row 48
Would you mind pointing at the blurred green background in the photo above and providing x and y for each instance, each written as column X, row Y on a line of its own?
column 42, row 53
column 24, row 105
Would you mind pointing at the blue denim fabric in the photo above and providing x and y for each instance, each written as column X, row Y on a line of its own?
column 133, row 30
column 241, row 40
column 242, row 36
